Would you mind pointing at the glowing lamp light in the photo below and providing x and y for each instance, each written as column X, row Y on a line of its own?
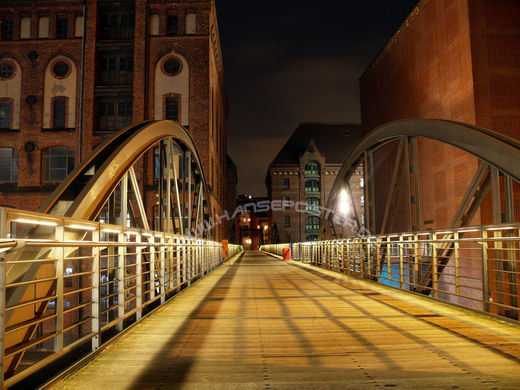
column 343, row 205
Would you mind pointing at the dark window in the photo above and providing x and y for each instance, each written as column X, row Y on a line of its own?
column 8, row 165
column 311, row 237
column 156, row 163
column 117, row 25
column 312, row 169
column 286, row 183
column 61, row 69
column 59, row 112
column 6, row 70
column 5, row 115
column 172, row 66
column 287, row 220
column 172, row 108
column 61, row 27
column 7, row 29
column 173, row 24
column 114, row 114
column 115, row 69
column 58, row 162
column 287, row 238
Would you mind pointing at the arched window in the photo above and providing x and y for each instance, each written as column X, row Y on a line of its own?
column 313, row 204
column 312, row 186
column 58, row 162
column 59, row 96
column 312, row 168
column 8, row 165
column 312, row 224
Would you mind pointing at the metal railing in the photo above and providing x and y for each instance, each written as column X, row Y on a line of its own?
column 476, row 267
column 68, row 282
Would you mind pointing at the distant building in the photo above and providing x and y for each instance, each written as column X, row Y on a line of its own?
column 252, row 225
column 73, row 72
column 230, row 201
column 304, row 171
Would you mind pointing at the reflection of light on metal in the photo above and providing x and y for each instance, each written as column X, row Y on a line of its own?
column 35, row 222
column 131, row 233
column 266, row 227
column 502, row 228
column 111, row 231
column 343, row 206
column 468, row 230
column 81, row 227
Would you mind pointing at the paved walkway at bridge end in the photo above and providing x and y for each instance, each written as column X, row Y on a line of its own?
column 261, row 323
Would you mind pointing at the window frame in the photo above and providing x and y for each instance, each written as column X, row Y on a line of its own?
column 13, row 166
column 10, row 102
column 47, row 169
column 65, row 101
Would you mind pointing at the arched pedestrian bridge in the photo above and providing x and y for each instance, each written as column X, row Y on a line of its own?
column 105, row 292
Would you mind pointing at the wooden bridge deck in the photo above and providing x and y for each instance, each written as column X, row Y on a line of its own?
column 261, row 323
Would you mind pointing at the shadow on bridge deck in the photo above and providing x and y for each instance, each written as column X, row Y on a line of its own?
column 261, row 323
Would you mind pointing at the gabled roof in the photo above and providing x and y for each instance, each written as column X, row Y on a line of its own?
column 333, row 140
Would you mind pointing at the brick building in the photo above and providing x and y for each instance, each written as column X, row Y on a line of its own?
column 74, row 72
column 456, row 60
column 304, row 171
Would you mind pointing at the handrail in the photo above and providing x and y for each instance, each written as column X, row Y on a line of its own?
column 480, row 267
column 98, row 277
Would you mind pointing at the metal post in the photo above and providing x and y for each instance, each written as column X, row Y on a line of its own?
column 96, row 320
column 435, row 275
column 121, row 251
column 457, row 264
column 417, row 253
column 3, row 234
column 163, row 270
column 59, row 235
column 485, row 274
column 139, row 278
column 401, row 265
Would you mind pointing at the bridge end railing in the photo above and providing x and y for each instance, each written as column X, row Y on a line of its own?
column 475, row 267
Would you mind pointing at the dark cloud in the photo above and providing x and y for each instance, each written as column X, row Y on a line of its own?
column 295, row 61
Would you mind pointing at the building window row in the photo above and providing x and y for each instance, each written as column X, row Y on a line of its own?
column 312, row 224
column 57, row 163
column 172, row 24
column 312, row 186
column 312, row 168
column 61, row 27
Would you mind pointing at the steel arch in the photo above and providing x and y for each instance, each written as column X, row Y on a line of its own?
column 494, row 149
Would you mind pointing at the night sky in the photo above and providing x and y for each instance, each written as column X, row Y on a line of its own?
column 292, row 61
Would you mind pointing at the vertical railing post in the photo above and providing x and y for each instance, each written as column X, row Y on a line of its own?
column 59, row 235
column 369, row 257
column 401, row 262
column 151, row 250
column 457, row 265
column 162, row 274
column 435, row 275
column 121, row 260
column 388, row 258
column 3, row 234
column 416, row 254
column 96, row 318
column 485, row 272
column 139, row 278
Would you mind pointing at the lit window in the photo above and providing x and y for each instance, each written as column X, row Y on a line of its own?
column 25, row 27
column 5, row 114
column 43, row 27
column 78, row 26
column 191, row 23
column 58, row 162
column 361, row 182
column 8, row 165
column 312, row 223
column 362, row 200
column 312, row 186
column 154, row 24
column 312, row 168
column 312, row 204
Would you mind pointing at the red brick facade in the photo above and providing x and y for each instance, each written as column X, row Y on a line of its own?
column 92, row 54
column 450, row 59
